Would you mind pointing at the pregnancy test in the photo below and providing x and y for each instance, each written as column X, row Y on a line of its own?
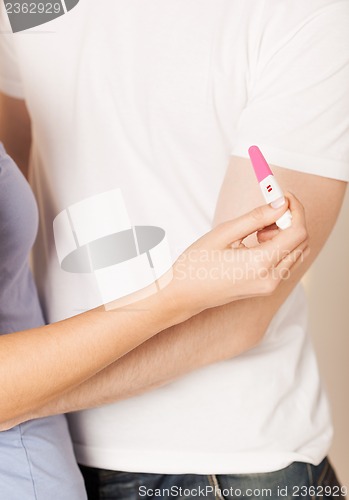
column 270, row 188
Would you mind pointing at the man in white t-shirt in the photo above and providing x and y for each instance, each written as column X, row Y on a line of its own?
column 162, row 99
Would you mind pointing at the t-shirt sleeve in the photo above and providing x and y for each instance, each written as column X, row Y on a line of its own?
column 10, row 79
column 298, row 105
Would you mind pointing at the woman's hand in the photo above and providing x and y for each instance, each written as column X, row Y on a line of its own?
column 219, row 268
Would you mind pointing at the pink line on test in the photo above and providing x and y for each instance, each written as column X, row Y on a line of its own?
column 259, row 163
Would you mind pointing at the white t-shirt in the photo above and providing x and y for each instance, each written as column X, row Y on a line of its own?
column 153, row 97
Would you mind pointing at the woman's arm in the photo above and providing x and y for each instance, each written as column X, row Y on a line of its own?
column 37, row 366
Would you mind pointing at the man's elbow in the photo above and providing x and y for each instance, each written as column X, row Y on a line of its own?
column 15, row 130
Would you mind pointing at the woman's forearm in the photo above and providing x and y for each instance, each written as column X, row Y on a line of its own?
column 38, row 365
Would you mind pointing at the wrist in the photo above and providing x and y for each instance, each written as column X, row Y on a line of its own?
column 166, row 300
column 175, row 303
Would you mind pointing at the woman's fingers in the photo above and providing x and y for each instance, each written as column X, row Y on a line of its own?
column 231, row 270
column 238, row 229
column 289, row 260
column 278, row 247
column 267, row 233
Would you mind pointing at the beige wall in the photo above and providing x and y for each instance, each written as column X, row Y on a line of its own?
column 327, row 285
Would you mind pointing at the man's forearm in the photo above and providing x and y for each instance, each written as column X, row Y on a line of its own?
column 216, row 334
column 212, row 336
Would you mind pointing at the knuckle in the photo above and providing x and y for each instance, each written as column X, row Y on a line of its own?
column 219, row 228
column 224, row 228
column 258, row 213
column 302, row 233
column 257, row 265
column 261, row 269
column 270, row 285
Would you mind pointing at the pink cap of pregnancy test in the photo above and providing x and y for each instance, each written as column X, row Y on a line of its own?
column 259, row 163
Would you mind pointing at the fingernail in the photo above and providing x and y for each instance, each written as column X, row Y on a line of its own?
column 278, row 202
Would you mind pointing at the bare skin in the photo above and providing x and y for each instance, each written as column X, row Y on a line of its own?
column 207, row 337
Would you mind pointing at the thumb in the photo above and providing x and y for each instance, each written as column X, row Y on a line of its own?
column 257, row 219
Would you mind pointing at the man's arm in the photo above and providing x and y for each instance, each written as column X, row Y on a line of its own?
column 223, row 332
column 15, row 130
